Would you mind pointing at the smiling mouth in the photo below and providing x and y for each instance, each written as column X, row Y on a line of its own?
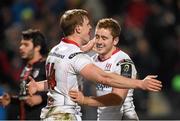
column 99, row 46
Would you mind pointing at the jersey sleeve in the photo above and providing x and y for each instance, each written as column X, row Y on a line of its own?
column 80, row 61
column 126, row 67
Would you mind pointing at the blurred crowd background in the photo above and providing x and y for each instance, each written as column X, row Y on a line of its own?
column 150, row 35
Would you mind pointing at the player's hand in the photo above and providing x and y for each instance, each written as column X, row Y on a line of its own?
column 151, row 84
column 33, row 100
column 32, row 86
column 5, row 99
column 89, row 46
column 77, row 96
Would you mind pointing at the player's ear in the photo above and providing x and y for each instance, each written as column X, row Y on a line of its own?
column 37, row 48
column 78, row 29
column 116, row 40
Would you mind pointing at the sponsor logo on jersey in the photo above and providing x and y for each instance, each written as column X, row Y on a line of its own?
column 56, row 55
column 74, row 54
column 102, row 87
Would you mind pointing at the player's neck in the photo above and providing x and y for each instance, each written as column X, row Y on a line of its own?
column 36, row 58
column 108, row 54
column 75, row 39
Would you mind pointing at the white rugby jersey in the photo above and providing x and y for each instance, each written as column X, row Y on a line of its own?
column 63, row 65
column 119, row 63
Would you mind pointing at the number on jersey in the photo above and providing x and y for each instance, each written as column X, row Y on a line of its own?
column 50, row 71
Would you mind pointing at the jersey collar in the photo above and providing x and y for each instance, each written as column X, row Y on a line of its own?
column 70, row 42
column 114, row 52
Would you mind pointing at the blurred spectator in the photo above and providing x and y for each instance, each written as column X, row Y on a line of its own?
column 137, row 13
column 33, row 51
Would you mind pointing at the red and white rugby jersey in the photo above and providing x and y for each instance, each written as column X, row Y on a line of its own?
column 119, row 63
column 63, row 65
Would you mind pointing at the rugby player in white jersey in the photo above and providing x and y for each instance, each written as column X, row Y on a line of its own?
column 111, row 59
column 66, row 64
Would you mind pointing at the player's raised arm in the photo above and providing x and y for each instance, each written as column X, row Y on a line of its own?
column 91, row 72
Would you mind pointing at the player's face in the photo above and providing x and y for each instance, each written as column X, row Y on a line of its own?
column 26, row 49
column 86, row 30
column 104, row 42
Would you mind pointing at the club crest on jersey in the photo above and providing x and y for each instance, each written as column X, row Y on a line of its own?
column 108, row 67
column 35, row 72
column 74, row 54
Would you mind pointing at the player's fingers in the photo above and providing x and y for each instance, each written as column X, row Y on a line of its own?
column 5, row 95
column 27, row 86
column 156, row 83
column 31, row 79
column 154, row 87
column 30, row 92
column 29, row 103
column 153, row 90
column 73, row 91
column 73, row 99
column 152, row 76
column 72, row 95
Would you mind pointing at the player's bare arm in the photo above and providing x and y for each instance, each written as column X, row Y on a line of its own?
column 91, row 72
column 117, row 95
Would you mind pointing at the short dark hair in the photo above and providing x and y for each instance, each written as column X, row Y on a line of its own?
column 70, row 19
column 37, row 39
